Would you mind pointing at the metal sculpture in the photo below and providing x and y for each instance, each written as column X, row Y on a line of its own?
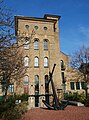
column 56, row 105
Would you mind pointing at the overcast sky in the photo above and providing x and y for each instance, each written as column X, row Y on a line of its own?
column 74, row 22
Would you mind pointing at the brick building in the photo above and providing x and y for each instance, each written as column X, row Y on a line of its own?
column 40, row 43
column 40, row 54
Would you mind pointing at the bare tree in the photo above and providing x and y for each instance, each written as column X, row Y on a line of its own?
column 6, row 26
column 11, row 58
column 73, row 75
column 11, row 67
column 80, row 61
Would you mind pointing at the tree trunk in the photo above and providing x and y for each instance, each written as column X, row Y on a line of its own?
column 86, row 92
column 5, row 96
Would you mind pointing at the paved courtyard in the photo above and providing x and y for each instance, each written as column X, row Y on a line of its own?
column 70, row 113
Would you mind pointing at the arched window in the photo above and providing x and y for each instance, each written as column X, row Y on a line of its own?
column 26, row 61
column 36, row 90
column 45, row 44
column 26, row 80
column 36, row 44
column 63, row 77
column 36, row 84
column 46, row 84
column 26, row 44
column 46, row 88
column 62, row 64
column 45, row 62
column 36, row 62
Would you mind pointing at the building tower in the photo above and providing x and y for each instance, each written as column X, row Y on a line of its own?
column 41, row 49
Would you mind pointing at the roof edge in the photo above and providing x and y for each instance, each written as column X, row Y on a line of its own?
column 50, row 15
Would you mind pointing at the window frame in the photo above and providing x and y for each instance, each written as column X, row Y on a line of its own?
column 36, row 44
column 83, row 85
column 63, row 77
column 27, row 27
column 36, row 84
column 46, row 62
column 36, row 62
column 26, row 83
column 72, row 86
column 11, row 88
column 26, row 44
column 77, row 85
column 45, row 44
column 62, row 64
column 26, row 61
column 26, row 80
column 46, row 84
column 36, row 27
column 45, row 28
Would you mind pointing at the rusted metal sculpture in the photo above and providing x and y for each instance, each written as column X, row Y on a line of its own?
column 56, row 105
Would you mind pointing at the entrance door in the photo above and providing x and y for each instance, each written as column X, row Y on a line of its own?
column 46, row 89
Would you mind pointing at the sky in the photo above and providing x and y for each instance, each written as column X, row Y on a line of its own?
column 74, row 22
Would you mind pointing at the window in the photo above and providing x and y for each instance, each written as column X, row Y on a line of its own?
column 45, row 62
column 26, row 44
column 72, row 86
column 26, row 79
column 62, row 64
column 26, row 61
column 47, row 88
column 83, row 85
column 36, row 84
column 36, row 62
column 36, row 90
column 46, row 84
column 63, row 77
column 25, row 89
column 45, row 28
column 3, row 87
column 36, row 27
column 11, row 88
column 27, row 27
column 36, row 46
column 45, row 44
column 77, row 85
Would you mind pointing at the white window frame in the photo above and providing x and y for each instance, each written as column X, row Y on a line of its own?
column 11, row 88
column 36, row 62
column 45, row 44
column 26, row 61
column 45, row 62
column 36, row 44
column 26, row 44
